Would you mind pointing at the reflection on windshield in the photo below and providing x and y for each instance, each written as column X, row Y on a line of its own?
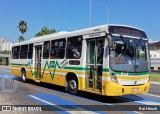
column 129, row 55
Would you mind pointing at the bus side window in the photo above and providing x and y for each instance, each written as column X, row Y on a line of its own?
column 61, row 49
column 57, row 49
column 30, row 51
column 23, row 52
column 74, row 47
column 16, row 52
column 46, row 49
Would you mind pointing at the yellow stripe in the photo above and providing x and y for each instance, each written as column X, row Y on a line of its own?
column 132, row 77
column 106, row 74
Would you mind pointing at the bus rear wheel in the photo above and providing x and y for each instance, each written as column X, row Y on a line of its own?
column 73, row 86
column 23, row 74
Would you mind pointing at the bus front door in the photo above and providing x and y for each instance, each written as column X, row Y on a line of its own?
column 38, row 54
column 95, row 50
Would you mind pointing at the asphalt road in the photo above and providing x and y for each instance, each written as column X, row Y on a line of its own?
column 16, row 95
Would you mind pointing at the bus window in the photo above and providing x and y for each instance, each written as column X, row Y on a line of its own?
column 16, row 52
column 57, row 49
column 23, row 52
column 46, row 49
column 30, row 51
column 74, row 47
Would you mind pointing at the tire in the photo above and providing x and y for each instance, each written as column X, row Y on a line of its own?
column 23, row 74
column 73, row 86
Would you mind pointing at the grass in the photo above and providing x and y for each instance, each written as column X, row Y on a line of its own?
column 155, row 77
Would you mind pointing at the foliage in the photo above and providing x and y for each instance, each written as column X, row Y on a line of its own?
column 155, row 76
column 45, row 31
column 21, row 39
column 5, row 52
column 22, row 26
column 1, row 60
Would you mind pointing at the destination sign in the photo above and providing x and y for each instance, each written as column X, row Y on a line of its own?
column 127, row 31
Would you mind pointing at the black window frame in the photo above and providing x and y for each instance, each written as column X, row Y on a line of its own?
column 57, row 51
column 46, row 50
column 30, row 51
column 12, row 52
column 24, row 51
column 74, row 47
column 17, row 52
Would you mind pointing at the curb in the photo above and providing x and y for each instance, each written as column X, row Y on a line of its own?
column 158, row 83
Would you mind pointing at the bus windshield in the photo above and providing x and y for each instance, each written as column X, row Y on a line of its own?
column 129, row 55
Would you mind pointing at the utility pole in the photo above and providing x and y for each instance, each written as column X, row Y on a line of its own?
column 90, row 15
column 107, row 15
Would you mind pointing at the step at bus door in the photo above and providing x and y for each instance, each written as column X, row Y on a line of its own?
column 38, row 54
column 95, row 50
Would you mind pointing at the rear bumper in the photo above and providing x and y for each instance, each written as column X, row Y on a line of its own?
column 114, row 89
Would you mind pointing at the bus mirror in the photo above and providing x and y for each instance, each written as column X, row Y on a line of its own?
column 110, row 41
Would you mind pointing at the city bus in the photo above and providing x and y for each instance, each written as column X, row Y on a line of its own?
column 109, row 60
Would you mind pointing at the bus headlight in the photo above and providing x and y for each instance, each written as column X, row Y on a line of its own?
column 114, row 78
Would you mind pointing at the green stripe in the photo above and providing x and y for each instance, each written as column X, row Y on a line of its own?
column 139, row 73
column 119, row 73
column 83, row 68
column 19, row 64
column 105, row 70
column 75, row 68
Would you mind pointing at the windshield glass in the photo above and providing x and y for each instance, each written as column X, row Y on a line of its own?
column 129, row 55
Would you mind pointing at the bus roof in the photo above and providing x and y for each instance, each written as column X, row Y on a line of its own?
column 65, row 34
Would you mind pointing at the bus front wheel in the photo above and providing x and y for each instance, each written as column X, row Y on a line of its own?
column 73, row 86
column 23, row 73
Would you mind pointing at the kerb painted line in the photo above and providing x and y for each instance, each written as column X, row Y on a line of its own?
column 152, row 95
column 49, row 103
column 58, row 103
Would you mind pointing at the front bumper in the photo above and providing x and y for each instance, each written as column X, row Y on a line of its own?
column 114, row 89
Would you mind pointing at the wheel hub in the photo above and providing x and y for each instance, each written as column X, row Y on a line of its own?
column 73, row 85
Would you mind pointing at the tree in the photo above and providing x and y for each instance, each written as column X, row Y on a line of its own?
column 45, row 31
column 22, row 28
column 21, row 39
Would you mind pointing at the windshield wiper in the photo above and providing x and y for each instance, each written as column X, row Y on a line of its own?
column 137, row 45
column 128, row 48
column 131, row 52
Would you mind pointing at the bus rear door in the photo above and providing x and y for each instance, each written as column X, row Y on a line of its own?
column 38, row 54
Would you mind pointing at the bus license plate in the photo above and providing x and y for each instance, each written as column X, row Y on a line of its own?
column 134, row 89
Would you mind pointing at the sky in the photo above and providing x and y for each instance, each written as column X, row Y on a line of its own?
column 70, row 15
